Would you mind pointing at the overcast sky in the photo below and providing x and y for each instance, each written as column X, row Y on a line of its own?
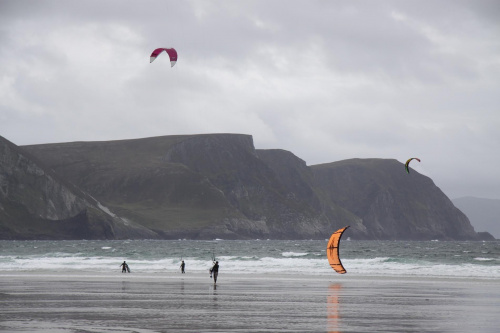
column 326, row 80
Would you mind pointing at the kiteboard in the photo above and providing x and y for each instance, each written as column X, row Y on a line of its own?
column 213, row 262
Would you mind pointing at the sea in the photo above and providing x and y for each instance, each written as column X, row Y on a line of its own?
column 460, row 259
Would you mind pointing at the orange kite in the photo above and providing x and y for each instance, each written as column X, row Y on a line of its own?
column 332, row 251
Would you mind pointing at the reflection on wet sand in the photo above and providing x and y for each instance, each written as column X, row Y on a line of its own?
column 333, row 320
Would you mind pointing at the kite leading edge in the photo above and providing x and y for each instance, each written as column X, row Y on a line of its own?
column 332, row 251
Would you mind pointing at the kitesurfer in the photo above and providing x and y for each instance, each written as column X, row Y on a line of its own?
column 124, row 267
column 182, row 267
column 215, row 271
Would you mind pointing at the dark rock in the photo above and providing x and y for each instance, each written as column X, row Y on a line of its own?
column 485, row 236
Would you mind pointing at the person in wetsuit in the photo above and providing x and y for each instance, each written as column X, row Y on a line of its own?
column 182, row 267
column 215, row 271
column 124, row 267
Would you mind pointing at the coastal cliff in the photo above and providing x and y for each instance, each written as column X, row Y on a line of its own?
column 219, row 186
column 35, row 203
column 392, row 203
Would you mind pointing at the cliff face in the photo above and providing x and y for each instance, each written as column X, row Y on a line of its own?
column 27, row 184
column 320, row 215
column 136, row 181
column 197, row 186
column 250, row 185
column 36, row 204
column 220, row 186
column 392, row 203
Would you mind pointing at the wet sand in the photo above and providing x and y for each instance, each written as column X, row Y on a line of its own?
column 51, row 302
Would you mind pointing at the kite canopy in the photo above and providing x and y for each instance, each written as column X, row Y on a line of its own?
column 332, row 251
column 171, row 52
column 408, row 163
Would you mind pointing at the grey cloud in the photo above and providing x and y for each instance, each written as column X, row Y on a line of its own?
column 326, row 80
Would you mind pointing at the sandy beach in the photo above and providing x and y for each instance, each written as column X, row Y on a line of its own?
column 33, row 302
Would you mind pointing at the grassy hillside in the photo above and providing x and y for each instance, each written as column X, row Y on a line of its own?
column 134, row 179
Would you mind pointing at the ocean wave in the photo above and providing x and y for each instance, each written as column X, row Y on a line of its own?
column 253, row 257
column 486, row 259
column 293, row 254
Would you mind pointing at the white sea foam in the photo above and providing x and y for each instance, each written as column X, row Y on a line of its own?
column 229, row 264
column 293, row 254
column 485, row 259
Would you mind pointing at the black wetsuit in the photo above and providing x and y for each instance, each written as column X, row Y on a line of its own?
column 124, row 267
column 215, row 271
column 182, row 267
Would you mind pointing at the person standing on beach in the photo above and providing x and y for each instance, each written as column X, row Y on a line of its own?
column 215, row 271
column 183, row 265
column 124, row 267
